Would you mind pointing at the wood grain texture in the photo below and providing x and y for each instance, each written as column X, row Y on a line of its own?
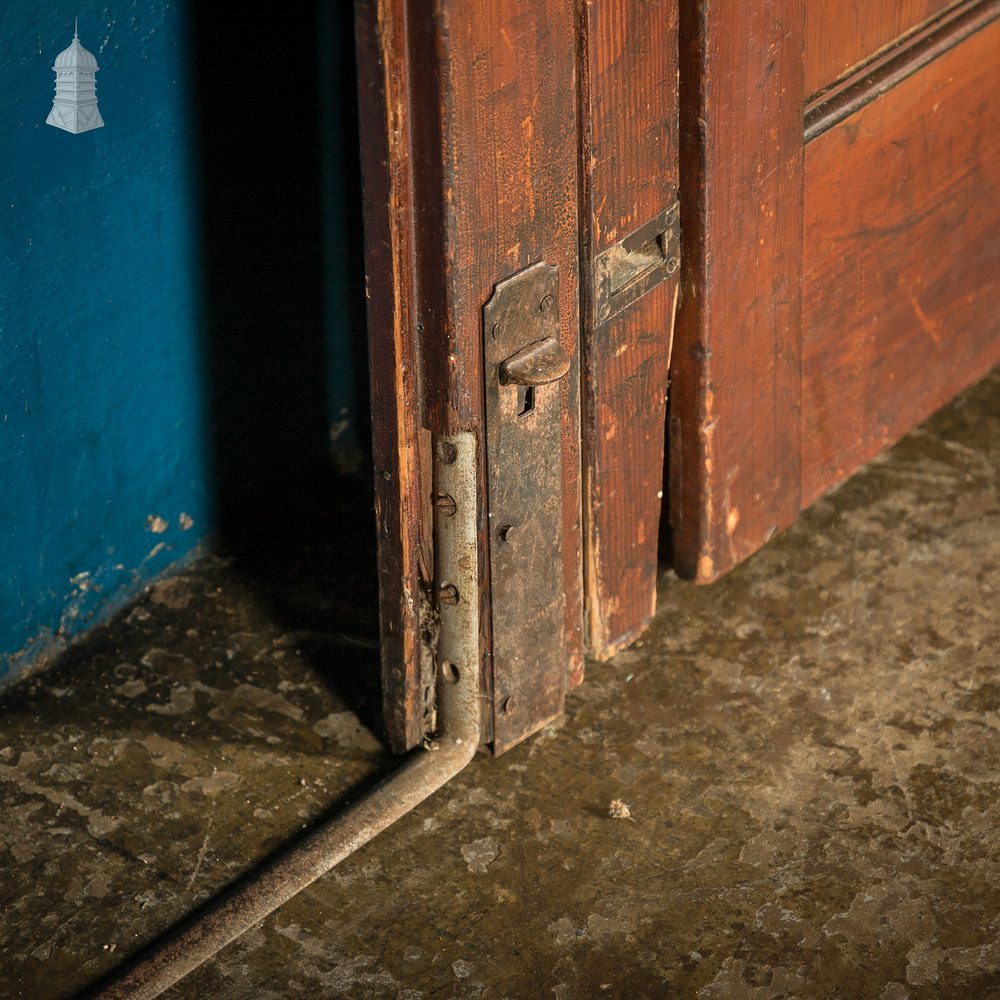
column 471, row 161
column 629, row 174
column 735, row 374
column 900, row 61
column 508, row 94
column 901, row 260
column 841, row 35
column 401, row 481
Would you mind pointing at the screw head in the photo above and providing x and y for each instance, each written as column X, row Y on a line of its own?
column 505, row 532
column 448, row 594
column 445, row 503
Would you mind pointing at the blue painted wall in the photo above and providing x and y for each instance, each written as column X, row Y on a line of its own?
column 103, row 478
column 181, row 300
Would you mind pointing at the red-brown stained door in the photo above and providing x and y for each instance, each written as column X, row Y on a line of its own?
column 630, row 268
column 504, row 140
column 470, row 157
column 840, row 194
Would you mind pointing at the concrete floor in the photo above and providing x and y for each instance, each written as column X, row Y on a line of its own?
column 810, row 752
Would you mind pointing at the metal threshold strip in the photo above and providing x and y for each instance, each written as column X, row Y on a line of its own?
column 458, row 676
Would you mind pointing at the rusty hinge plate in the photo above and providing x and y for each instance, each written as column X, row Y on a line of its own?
column 642, row 260
column 523, row 358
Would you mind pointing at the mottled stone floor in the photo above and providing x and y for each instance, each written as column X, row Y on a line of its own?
column 810, row 752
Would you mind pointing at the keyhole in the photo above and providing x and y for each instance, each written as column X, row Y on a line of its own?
column 525, row 399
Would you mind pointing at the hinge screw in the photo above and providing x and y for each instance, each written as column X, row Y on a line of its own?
column 506, row 532
column 448, row 594
column 445, row 503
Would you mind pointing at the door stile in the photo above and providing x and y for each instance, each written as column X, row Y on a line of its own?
column 509, row 126
column 400, row 452
column 478, row 164
column 736, row 374
column 630, row 273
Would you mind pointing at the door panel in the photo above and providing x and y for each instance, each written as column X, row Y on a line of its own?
column 901, row 260
column 629, row 181
column 841, row 35
column 770, row 407
column 897, row 63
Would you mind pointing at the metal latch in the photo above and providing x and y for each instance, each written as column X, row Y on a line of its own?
column 536, row 364
column 638, row 263
column 524, row 363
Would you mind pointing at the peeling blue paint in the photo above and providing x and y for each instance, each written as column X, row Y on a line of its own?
column 101, row 402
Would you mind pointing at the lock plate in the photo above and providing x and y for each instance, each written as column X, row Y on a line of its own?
column 524, row 369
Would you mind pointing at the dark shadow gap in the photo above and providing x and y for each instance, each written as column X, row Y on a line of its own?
column 274, row 103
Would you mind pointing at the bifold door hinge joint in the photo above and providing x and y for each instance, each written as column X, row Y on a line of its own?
column 456, row 558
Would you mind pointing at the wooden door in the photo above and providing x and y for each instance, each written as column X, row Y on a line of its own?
column 901, row 250
column 506, row 141
column 821, row 184
column 840, row 204
column 630, row 265
column 469, row 141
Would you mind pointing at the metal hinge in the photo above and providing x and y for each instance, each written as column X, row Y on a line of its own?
column 456, row 559
column 638, row 263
